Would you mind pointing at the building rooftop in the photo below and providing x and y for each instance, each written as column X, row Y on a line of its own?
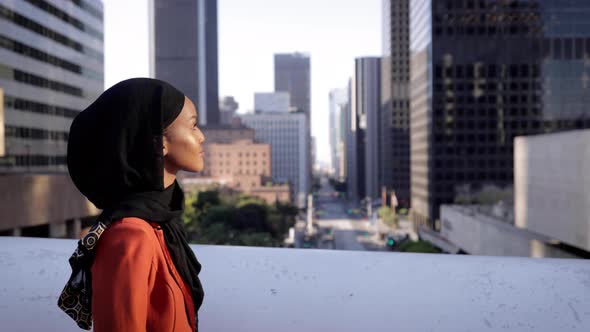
column 275, row 289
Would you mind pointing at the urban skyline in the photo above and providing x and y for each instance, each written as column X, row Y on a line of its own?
column 238, row 44
column 471, row 97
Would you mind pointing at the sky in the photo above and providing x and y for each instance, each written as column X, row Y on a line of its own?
column 250, row 32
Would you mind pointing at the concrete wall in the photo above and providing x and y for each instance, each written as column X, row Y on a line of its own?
column 479, row 234
column 32, row 200
column 292, row 290
column 552, row 186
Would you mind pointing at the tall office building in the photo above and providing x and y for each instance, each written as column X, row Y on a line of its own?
column 483, row 72
column 292, row 75
column 363, row 173
column 51, row 68
column 185, row 34
column 395, row 104
column 338, row 105
column 288, row 136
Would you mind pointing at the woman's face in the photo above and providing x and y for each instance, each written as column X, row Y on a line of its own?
column 183, row 142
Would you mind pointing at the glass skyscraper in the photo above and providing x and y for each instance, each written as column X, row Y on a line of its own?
column 394, row 149
column 483, row 72
column 185, row 42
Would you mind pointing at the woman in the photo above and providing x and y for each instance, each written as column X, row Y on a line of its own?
column 134, row 270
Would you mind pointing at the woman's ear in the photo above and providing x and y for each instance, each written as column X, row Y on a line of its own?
column 164, row 145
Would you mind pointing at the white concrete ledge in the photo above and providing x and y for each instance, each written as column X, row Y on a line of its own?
column 259, row 289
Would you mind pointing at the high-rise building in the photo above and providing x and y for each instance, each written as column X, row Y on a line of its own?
column 292, row 75
column 483, row 72
column 288, row 136
column 338, row 104
column 395, row 104
column 51, row 68
column 185, row 47
column 227, row 109
column 363, row 173
column 343, row 136
column 272, row 102
column 349, row 125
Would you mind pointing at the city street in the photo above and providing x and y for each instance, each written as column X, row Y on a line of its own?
column 338, row 230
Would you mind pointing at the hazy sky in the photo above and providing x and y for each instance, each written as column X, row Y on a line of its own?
column 332, row 32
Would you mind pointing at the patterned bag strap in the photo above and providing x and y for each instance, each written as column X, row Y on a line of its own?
column 76, row 298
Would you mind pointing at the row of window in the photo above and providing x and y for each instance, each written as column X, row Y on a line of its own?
column 460, row 163
column 35, row 107
column 222, row 171
column 489, row 113
column 35, row 134
column 490, row 4
column 487, row 71
column 240, row 154
column 513, row 87
column 451, row 178
column 487, row 17
column 481, row 30
column 49, row 33
column 38, row 81
column 34, row 160
column 467, row 132
column 490, row 99
column 247, row 163
column 39, row 55
column 88, row 8
column 44, row 5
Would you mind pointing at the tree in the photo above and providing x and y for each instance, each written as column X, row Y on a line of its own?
column 388, row 216
column 214, row 217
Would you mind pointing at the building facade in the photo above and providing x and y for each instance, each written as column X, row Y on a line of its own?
column 51, row 68
column 551, row 184
column 338, row 104
column 483, row 72
column 293, row 75
column 395, row 104
column 364, row 173
column 233, row 159
column 287, row 135
column 185, row 47
column 265, row 102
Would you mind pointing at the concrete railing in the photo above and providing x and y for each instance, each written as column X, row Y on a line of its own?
column 261, row 289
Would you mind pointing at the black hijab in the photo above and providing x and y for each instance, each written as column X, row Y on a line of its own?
column 115, row 159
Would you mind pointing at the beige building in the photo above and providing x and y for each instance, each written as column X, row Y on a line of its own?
column 242, row 157
column 233, row 159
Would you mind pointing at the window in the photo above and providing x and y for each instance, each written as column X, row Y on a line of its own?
column 67, row 18
column 568, row 49
column 557, row 48
column 35, row 107
column 31, row 25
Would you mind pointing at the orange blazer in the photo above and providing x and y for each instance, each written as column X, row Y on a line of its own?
column 135, row 285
